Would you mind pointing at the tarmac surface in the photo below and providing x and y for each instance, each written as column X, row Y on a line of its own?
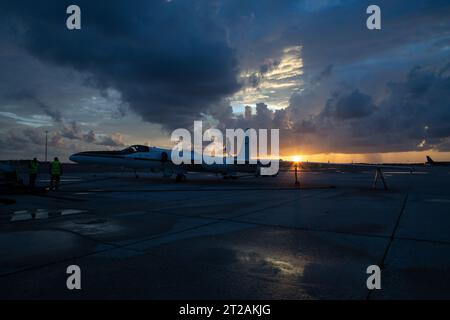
column 209, row 238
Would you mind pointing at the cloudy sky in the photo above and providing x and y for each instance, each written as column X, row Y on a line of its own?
column 139, row 69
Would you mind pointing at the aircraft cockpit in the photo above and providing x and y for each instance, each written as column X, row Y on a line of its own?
column 136, row 149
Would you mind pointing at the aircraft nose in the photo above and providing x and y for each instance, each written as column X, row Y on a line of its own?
column 75, row 157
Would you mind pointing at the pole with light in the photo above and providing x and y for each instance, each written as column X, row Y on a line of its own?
column 46, row 144
column 296, row 160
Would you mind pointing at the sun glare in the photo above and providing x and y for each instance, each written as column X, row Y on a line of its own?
column 296, row 158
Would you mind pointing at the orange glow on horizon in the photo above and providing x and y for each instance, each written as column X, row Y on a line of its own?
column 389, row 157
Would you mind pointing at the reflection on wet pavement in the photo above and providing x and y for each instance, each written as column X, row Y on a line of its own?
column 40, row 214
column 285, row 267
column 216, row 239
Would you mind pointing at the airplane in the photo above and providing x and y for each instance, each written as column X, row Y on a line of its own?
column 158, row 159
column 432, row 163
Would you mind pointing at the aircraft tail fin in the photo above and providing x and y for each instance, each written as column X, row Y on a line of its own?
column 227, row 148
column 429, row 160
column 244, row 153
column 247, row 148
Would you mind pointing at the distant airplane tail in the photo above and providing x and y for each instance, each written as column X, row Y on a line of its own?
column 247, row 147
column 429, row 160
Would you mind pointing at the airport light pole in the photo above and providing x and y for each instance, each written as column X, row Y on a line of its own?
column 46, row 144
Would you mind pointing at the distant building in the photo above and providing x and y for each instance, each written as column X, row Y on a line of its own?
column 261, row 107
column 248, row 113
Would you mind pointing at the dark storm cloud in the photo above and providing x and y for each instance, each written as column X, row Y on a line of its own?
column 54, row 114
column 368, row 97
column 32, row 137
column 73, row 131
column 255, row 79
column 413, row 115
column 335, row 33
column 325, row 73
column 115, row 140
column 343, row 38
column 352, row 106
column 174, row 62
column 170, row 61
column 64, row 141
column 27, row 142
column 31, row 96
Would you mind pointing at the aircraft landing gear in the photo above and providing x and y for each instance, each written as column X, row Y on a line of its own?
column 180, row 178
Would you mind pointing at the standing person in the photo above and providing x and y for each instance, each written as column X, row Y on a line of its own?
column 33, row 169
column 55, row 172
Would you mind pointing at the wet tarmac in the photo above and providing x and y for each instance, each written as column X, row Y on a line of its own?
column 209, row 238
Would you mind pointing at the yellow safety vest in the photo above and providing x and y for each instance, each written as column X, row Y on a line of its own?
column 56, row 168
column 33, row 168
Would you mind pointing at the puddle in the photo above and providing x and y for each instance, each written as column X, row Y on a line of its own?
column 41, row 214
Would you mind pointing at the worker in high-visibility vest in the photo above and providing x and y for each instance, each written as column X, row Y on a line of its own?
column 55, row 173
column 33, row 170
